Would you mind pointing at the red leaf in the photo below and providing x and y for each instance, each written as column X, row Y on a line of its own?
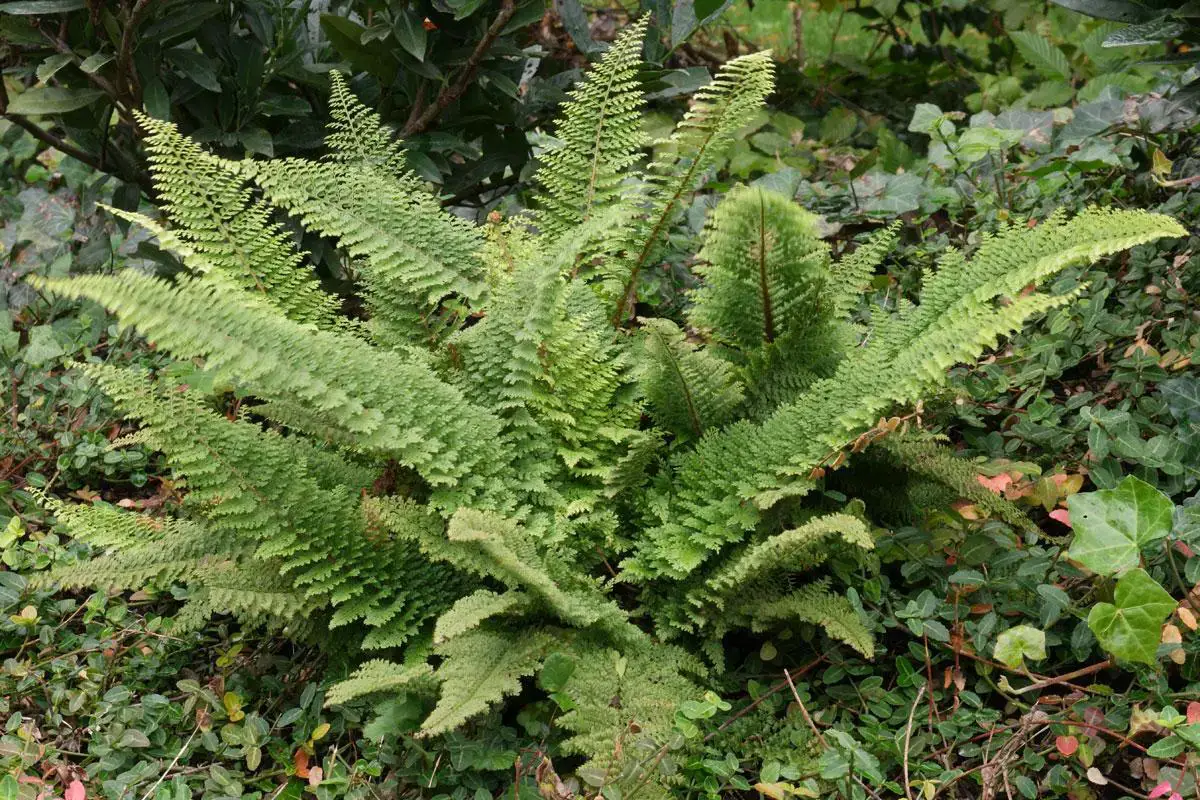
column 300, row 760
column 1193, row 712
column 997, row 484
column 76, row 791
column 1067, row 745
column 1061, row 515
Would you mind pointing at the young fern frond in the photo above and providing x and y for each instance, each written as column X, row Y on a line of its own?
column 471, row 611
column 718, row 111
column 602, row 139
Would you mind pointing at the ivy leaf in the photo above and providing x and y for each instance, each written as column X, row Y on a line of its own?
column 1130, row 628
column 1183, row 397
column 1019, row 642
column 1041, row 54
column 1112, row 525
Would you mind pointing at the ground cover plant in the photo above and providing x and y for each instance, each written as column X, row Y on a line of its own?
column 346, row 507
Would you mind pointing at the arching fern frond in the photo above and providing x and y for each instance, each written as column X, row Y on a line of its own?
column 601, row 134
column 718, row 111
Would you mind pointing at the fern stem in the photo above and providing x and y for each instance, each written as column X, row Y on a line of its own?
column 768, row 313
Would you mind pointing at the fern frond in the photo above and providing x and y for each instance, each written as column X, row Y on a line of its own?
column 720, row 487
column 387, row 405
column 852, row 272
column 489, row 545
column 816, row 605
column 766, row 272
column 413, row 253
column 357, row 135
column 478, row 669
column 601, row 134
column 469, row 612
column 225, row 231
column 378, row 676
column 624, row 698
column 718, row 111
column 689, row 389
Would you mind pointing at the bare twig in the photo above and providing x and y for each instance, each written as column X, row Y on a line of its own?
column 912, row 712
column 46, row 137
column 803, row 710
column 1063, row 679
column 754, row 704
column 127, row 81
column 453, row 91
column 150, row 792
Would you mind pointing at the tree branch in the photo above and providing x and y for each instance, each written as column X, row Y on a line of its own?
column 63, row 146
column 126, row 75
column 452, row 92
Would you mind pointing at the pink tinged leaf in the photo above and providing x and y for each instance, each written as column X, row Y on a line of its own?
column 1193, row 712
column 1067, row 745
column 1160, row 790
column 1061, row 515
column 76, row 791
column 997, row 484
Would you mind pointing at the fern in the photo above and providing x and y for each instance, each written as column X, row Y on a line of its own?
column 479, row 668
column 218, row 227
column 489, row 473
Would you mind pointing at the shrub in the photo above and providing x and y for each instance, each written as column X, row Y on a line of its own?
column 503, row 469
